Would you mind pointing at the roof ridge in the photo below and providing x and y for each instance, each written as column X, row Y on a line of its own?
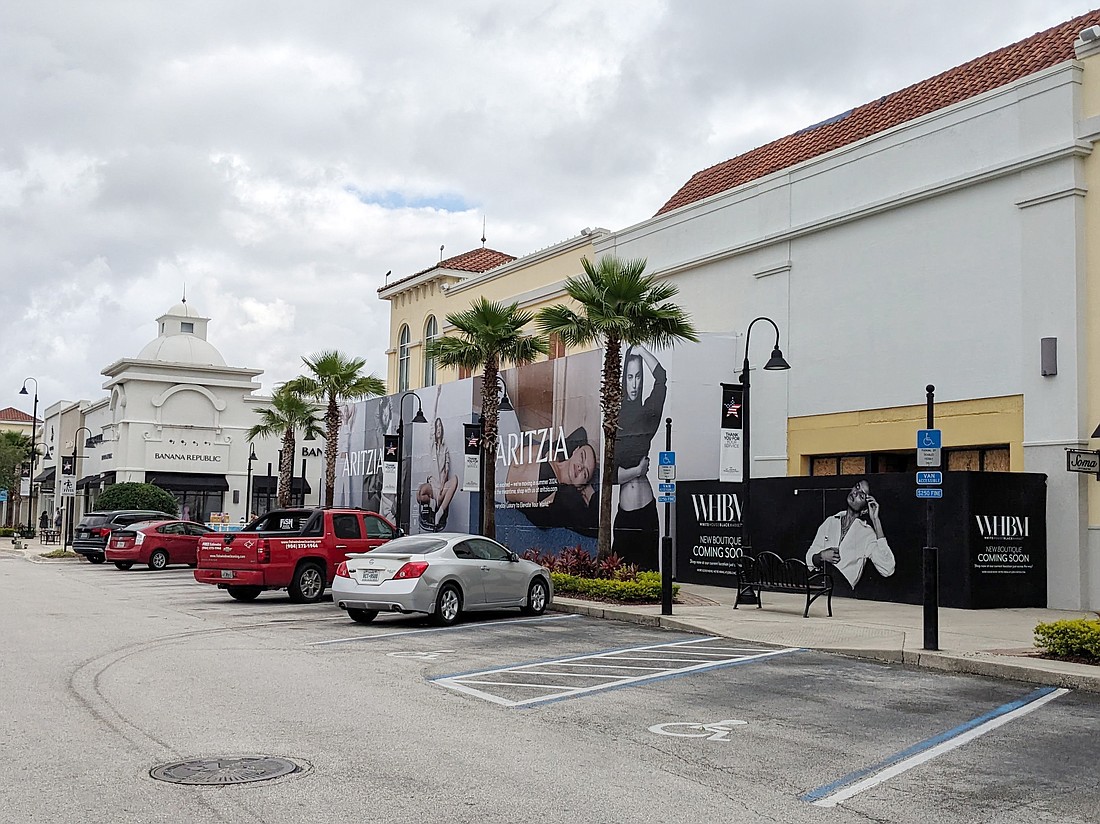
column 992, row 70
column 477, row 260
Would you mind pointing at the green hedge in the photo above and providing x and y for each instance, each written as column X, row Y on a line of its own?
column 6, row 532
column 647, row 587
column 1079, row 638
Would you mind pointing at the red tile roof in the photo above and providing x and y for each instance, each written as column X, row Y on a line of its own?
column 476, row 260
column 13, row 415
column 998, row 68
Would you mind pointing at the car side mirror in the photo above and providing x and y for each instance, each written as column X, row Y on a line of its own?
column 513, row 557
column 399, row 533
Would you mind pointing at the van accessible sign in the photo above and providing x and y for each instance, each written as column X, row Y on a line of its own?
column 1083, row 460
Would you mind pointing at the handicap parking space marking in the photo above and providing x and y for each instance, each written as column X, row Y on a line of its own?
column 714, row 731
column 856, row 782
column 509, row 687
column 455, row 628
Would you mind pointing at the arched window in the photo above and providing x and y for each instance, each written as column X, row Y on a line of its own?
column 403, row 360
column 431, row 332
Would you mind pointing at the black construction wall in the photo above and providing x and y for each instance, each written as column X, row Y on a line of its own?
column 990, row 529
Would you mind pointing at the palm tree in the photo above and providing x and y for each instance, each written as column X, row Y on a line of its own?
column 333, row 377
column 489, row 335
column 289, row 412
column 15, row 448
column 618, row 303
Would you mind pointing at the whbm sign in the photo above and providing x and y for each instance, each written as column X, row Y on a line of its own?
column 1083, row 460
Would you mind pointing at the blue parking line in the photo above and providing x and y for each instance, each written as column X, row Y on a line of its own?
column 922, row 746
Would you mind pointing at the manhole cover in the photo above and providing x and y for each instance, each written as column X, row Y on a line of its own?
column 237, row 769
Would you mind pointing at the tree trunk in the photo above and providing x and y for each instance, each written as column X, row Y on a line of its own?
column 490, row 413
column 286, row 468
column 611, row 401
column 332, row 429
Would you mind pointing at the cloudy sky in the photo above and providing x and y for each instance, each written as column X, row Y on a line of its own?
column 279, row 158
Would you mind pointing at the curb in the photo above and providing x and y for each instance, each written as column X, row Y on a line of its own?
column 958, row 664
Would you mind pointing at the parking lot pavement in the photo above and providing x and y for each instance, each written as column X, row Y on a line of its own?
column 161, row 666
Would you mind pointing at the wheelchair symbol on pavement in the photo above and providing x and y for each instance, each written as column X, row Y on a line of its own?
column 434, row 655
column 715, row 731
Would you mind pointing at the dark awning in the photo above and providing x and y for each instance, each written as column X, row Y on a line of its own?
column 87, row 481
column 187, row 481
column 269, row 485
column 46, row 476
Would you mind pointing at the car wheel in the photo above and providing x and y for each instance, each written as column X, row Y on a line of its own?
column 158, row 560
column 97, row 559
column 308, row 586
column 448, row 605
column 537, row 596
column 243, row 593
column 124, row 564
column 362, row 616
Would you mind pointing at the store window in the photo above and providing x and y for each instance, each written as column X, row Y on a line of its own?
column 431, row 332
column 403, row 360
column 972, row 459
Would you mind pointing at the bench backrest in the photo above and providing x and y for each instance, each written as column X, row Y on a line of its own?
column 771, row 569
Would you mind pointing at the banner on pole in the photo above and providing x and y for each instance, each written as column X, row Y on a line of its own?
column 731, row 444
column 471, row 476
column 389, row 465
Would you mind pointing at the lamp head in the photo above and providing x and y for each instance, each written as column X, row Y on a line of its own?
column 252, row 453
column 776, row 361
column 89, row 443
column 23, row 391
column 419, row 418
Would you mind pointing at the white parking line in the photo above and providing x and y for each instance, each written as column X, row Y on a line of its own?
column 468, row 683
column 486, row 625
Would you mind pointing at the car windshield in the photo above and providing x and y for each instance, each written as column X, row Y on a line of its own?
column 284, row 521
column 142, row 524
column 93, row 520
column 413, row 544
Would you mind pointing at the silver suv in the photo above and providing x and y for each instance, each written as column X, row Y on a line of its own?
column 95, row 528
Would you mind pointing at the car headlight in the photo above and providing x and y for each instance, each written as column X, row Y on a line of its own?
column 139, row 539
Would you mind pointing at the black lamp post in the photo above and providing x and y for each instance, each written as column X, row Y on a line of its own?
column 418, row 418
column 775, row 363
column 67, row 507
column 248, row 483
column 34, row 454
column 505, row 405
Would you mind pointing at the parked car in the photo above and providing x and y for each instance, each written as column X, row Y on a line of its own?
column 92, row 533
column 441, row 575
column 156, row 543
column 293, row 549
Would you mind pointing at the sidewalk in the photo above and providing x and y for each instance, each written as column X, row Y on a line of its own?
column 994, row 642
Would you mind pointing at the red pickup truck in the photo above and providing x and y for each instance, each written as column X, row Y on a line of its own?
column 293, row 549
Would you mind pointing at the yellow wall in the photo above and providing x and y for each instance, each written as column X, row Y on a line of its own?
column 979, row 422
column 534, row 281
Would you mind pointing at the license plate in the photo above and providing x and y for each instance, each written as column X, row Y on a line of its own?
column 227, row 573
column 371, row 576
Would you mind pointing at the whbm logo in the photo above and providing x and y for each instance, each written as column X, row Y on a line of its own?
column 1002, row 526
column 715, row 508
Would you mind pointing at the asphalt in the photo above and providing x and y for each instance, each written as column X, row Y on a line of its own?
column 992, row 642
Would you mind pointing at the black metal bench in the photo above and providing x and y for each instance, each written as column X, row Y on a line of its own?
column 767, row 572
column 51, row 536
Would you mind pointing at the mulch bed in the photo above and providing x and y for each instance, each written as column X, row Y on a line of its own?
column 1073, row 659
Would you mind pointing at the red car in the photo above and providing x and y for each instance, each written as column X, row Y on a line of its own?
column 156, row 543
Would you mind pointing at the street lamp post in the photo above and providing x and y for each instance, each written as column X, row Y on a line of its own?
column 34, row 454
column 248, row 483
column 775, row 363
column 488, row 454
column 66, row 515
column 418, row 418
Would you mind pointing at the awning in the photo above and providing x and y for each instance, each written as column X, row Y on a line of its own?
column 269, row 485
column 88, row 480
column 46, row 476
column 187, row 481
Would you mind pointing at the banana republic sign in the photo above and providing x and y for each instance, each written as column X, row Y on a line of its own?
column 177, row 455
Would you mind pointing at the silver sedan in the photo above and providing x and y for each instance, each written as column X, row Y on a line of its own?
column 442, row 575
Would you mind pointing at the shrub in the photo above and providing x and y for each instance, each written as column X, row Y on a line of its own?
column 137, row 496
column 1079, row 638
column 7, row 532
column 646, row 587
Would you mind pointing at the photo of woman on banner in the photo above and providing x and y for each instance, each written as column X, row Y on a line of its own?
column 435, row 494
column 636, row 531
column 552, row 488
column 850, row 538
column 374, row 437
